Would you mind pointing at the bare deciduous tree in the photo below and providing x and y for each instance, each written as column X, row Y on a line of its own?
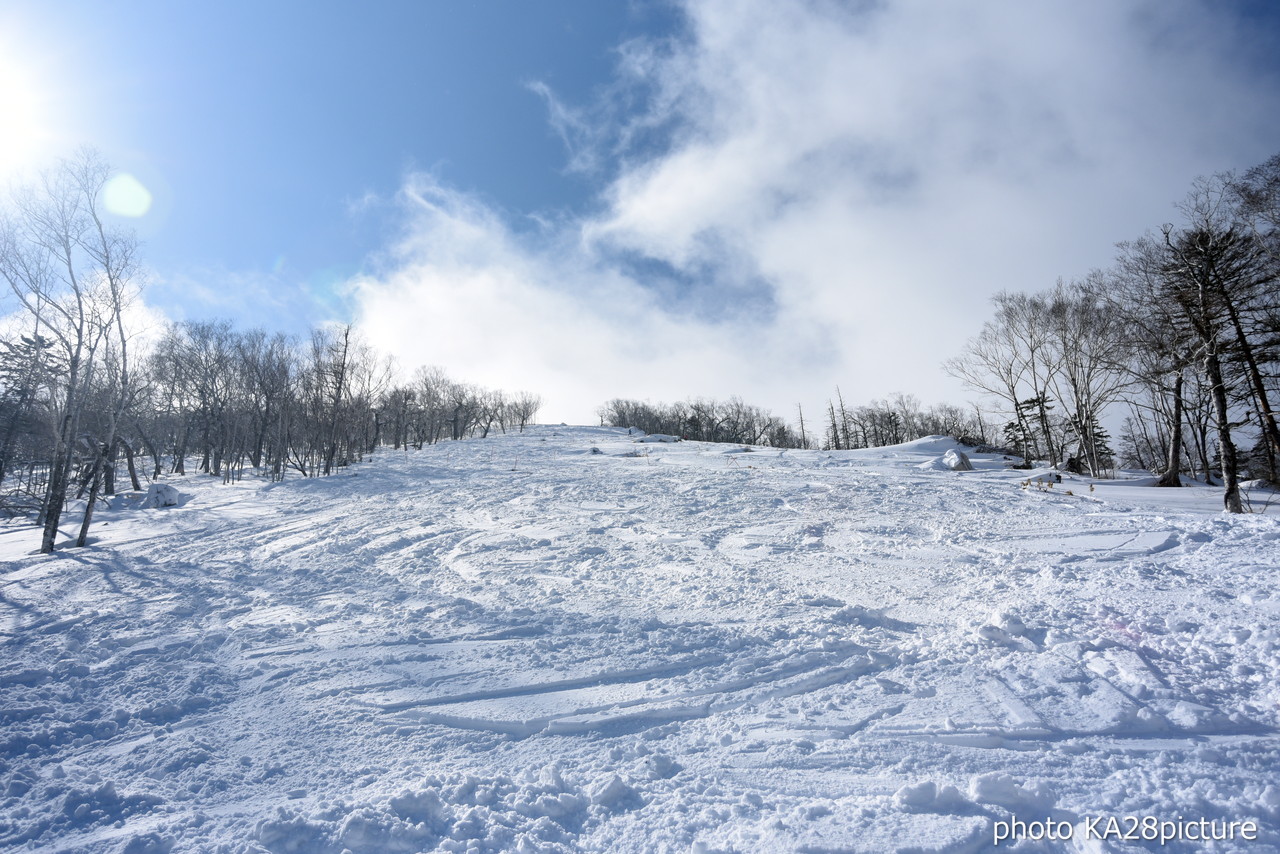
column 71, row 275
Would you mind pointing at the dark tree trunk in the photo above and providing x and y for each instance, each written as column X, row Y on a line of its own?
column 96, row 481
column 1266, row 416
column 260, row 439
column 155, row 457
column 1172, row 476
column 1050, row 448
column 133, row 472
column 1230, row 474
column 180, row 452
column 59, row 479
column 109, row 470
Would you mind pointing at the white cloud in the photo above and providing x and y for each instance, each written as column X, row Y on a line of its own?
column 461, row 290
column 840, row 188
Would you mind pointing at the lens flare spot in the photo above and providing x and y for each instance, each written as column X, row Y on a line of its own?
column 124, row 195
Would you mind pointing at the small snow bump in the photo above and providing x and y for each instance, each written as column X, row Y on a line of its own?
column 1002, row 790
column 662, row 767
column 994, row 634
column 611, row 793
column 919, row 795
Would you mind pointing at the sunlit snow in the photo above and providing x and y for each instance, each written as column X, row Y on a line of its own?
column 570, row 640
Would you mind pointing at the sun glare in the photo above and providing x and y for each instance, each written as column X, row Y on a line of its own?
column 26, row 132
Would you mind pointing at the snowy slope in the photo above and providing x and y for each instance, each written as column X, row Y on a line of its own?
column 567, row 640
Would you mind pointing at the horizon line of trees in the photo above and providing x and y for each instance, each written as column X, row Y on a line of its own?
column 235, row 399
column 897, row 419
column 703, row 420
column 80, row 393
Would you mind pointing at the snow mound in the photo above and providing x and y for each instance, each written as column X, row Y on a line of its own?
column 953, row 460
column 858, row 615
column 930, row 797
column 161, row 495
column 658, row 437
column 1002, row 790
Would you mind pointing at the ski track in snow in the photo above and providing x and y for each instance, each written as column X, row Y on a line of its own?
column 517, row 644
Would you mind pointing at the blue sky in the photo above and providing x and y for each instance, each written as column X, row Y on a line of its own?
column 259, row 127
column 597, row 199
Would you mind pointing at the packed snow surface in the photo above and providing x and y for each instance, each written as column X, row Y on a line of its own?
column 566, row 641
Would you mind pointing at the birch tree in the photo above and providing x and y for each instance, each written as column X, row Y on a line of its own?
column 70, row 273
